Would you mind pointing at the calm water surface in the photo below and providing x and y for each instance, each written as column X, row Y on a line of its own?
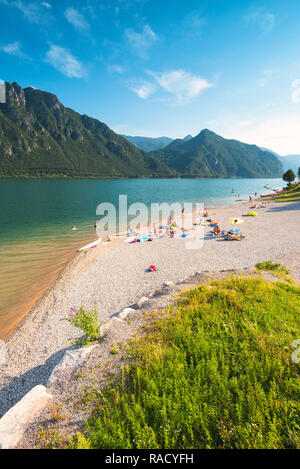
column 36, row 216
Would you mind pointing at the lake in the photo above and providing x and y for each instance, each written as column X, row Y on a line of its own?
column 36, row 217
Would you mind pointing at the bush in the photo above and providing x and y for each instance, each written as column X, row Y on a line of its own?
column 274, row 267
column 87, row 322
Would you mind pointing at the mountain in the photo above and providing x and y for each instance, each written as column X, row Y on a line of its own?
column 209, row 155
column 288, row 161
column 152, row 144
column 148, row 143
column 188, row 137
column 40, row 137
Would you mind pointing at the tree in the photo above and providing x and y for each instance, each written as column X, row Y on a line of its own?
column 299, row 172
column 289, row 176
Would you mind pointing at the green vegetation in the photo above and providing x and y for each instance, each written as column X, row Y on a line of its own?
column 215, row 372
column 289, row 176
column 87, row 322
column 148, row 143
column 292, row 195
column 272, row 266
column 209, row 155
column 40, row 137
column 277, row 269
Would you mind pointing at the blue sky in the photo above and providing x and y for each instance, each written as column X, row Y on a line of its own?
column 171, row 67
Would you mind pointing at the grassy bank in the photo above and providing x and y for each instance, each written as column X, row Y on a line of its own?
column 292, row 195
column 216, row 372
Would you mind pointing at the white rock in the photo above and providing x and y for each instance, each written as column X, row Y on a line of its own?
column 143, row 301
column 71, row 359
column 124, row 313
column 109, row 325
column 14, row 423
column 168, row 284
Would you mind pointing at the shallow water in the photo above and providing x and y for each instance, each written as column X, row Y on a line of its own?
column 36, row 216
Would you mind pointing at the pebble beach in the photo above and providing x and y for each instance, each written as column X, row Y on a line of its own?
column 113, row 276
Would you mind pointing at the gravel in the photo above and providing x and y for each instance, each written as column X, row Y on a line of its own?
column 114, row 277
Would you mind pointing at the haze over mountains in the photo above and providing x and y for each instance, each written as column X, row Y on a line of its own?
column 40, row 137
column 151, row 144
column 288, row 161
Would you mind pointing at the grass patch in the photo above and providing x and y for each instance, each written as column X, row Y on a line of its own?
column 292, row 195
column 276, row 269
column 272, row 266
column 215, row 373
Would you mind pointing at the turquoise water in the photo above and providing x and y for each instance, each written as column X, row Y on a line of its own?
column 36, row 216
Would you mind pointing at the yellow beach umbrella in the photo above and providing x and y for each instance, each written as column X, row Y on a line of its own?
column 236, row 221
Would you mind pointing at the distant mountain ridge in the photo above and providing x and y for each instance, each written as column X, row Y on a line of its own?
column 151, row 144
column 40, row 137
column 148, row 143
column 209, row 155
column 288, row 161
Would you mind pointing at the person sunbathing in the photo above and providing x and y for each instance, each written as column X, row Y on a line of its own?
column 217, row 230
column 235, row 236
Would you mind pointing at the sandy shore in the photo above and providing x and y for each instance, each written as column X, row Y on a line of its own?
column 113, row 277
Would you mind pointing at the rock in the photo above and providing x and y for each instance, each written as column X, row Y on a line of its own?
column 109, row 325
column 14, row 423
column 144, row 300
column 71, row 359
column 124, row 313
column 168, row 284
column 159, row 292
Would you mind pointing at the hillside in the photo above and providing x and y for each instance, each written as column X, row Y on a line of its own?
column 148, row 143
column 290, row 162
column 209, row 155
column 152, row 144
column 40, row 137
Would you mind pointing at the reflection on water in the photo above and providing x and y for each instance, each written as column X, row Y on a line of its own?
column 36, row 217
column 27, row 270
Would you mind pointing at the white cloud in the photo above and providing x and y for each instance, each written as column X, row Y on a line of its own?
column 296, row 92
column 64, row 62
column 14, row 48
column 141, row 42
column 259, row 16
column 33, row 11
column 116, row 69
column 76, row 19
column 144, row 91
column 183, row 86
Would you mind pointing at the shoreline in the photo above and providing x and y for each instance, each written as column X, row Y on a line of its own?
column 112, row 277
column 74, row 257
